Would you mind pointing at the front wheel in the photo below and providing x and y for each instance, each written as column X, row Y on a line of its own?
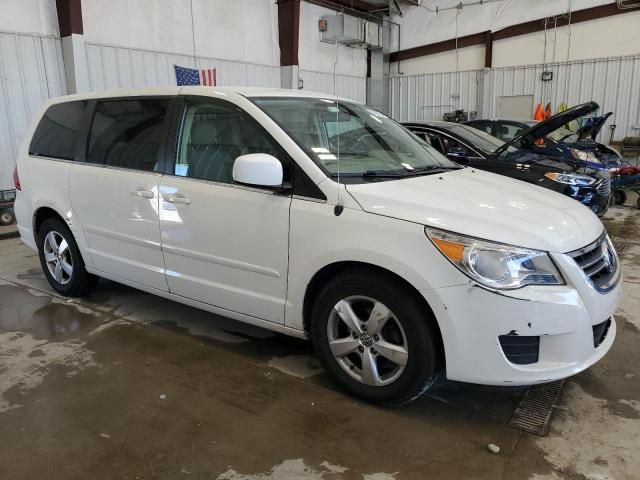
column 376, row 339
column 61, row 260
column 620, row 196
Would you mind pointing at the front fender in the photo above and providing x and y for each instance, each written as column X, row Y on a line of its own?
column 319, row 238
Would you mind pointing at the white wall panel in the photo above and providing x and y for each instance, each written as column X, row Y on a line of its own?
column 429, row 96
column 121, row 67
column 245, row 30
column 346, row 86
column 612, row 82
column 317, row 56
column 31, row 71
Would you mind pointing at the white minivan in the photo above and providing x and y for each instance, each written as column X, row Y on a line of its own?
column 319, row 217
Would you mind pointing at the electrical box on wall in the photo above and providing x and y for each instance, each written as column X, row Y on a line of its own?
column 351, row 31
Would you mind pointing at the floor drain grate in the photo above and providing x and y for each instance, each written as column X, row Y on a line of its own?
column 533, row 413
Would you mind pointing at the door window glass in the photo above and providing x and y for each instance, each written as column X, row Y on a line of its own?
column 57, row 132
column 507, row 131
column 128, row 133
column 485, row 126
column 213, row 135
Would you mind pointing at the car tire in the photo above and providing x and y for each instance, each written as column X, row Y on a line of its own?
column 6, row 217
column 620, row 196
column 61, row 261
column 388, row 362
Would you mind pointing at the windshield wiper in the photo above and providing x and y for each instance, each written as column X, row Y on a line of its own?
column 382, row 174
column 431, row 169
column 369, row 174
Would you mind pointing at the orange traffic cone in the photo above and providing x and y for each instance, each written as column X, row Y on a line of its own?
column 539, row 113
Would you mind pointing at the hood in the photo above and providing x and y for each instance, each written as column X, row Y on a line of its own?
column 544, row 128
column 592, row 127
column 484, row 205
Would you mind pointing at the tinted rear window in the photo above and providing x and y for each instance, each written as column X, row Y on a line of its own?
column 57, row 133
column 128, row 133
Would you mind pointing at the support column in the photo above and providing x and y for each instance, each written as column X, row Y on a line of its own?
column 375, row 79
column 288, row 37
column 488, row 49
column 378, row 77
column 73, row 48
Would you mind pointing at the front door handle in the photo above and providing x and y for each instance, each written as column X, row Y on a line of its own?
column 176, row 199
column 143, row 193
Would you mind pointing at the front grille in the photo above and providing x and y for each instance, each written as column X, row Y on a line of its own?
column 521, row 350
column 600, row 332
column 599, row 263
column 604, row 187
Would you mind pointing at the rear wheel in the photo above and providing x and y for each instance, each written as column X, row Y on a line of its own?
column 375, row 338
column 61, row 260
column 6, row 217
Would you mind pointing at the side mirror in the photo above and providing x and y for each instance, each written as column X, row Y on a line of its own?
column 456, row 152
column 258, row 169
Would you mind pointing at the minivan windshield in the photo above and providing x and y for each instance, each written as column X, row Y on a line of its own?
column 368, row 143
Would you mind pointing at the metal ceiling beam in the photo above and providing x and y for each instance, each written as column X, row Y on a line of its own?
column 288, row 31
column 538, row 25
column 69, row 17
column 353, row 7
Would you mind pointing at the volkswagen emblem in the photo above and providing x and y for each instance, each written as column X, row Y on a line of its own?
column 366, row 340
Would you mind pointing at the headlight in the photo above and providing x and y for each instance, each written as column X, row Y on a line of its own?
column 495, row 265
column 586, row 156
column 571, row 179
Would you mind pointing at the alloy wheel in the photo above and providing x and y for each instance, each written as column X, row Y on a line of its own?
column 57, row 256
column 367, row 340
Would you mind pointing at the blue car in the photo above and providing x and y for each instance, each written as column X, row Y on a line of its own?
column 562, row 142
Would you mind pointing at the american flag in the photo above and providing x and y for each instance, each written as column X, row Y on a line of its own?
column 193, row 76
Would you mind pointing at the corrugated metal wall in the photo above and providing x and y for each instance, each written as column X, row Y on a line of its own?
column 429, row 96
column 120, row 67
column 347, row 86
column 31, row 71
column 612, row 82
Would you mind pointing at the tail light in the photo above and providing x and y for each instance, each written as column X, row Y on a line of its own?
column 16, row 178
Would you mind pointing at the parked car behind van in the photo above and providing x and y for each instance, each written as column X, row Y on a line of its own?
column 589, row 182
column 561, row 143
column 321, row 219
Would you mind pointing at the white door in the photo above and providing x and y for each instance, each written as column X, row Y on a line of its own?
column 114, row 193
column 515, row 106
column 224, row 244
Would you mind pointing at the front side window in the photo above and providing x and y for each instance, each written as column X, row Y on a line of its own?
column 57, row 133
column 128, row 133
column 213, row 135
column 366, row 142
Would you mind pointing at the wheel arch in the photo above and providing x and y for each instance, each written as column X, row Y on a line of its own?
column 41, row 214
column 45, row 212
column 332, row 270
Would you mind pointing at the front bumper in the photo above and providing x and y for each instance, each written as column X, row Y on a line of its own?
column 598, row 203
column 562, row 318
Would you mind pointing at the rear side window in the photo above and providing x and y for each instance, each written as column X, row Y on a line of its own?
column 57, row 133
column 128, row 133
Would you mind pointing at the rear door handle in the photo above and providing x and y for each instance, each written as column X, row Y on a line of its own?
column 143, row 193
column 176, row 199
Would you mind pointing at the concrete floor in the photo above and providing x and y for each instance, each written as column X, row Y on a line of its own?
column 130, row 386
